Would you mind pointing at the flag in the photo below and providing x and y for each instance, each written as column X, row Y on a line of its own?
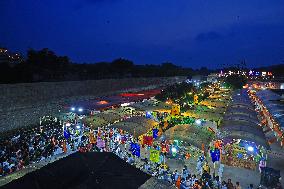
column 148, row 140
column 66, row 133
column 215, row 155
column 154, row 155
column 135, row 149
column 155, row 133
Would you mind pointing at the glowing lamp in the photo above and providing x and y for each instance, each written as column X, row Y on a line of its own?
column 250, row 148
column 198, row 121
column 73, row 109
column 80, row 109
column 174, row 150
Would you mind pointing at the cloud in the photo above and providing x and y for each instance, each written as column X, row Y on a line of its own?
column 208, row 36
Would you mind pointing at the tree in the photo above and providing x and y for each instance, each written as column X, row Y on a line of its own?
column 236, row 81
column 122, row 64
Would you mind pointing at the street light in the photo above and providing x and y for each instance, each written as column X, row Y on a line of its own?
column 73, row 109
column 80, row 109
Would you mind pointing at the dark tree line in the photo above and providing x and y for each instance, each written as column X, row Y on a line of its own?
column 45, row 65
column 236, row 81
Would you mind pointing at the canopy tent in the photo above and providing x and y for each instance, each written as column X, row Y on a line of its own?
column 83, row 170
column 95, row 121
column 241, row 110
column 241, row 105
column 190, row 134
column 241, row 117
column 272, row 101
column 150, row 106
column 103, row 118
column 137, row 125
column 248, row 137
column 242, row 121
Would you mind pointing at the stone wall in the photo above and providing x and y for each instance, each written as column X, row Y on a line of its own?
column 23, row 104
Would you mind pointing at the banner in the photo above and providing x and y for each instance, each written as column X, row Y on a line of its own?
column 135, row 149
column 66, row 133
column 148, row 140
column 100, row 143
column 155, row 133
column 215, row 154
column 154, row 156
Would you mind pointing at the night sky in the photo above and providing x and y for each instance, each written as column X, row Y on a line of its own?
column 191, row 33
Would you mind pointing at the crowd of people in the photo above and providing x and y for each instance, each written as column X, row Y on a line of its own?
column 34, row 145
column 29, row 146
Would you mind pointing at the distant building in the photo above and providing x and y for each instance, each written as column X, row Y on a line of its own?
column 4, row 56
column 8, row 57
column 196, row 80
column 212, row 78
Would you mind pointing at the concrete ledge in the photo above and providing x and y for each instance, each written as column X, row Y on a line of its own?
column 23, row 104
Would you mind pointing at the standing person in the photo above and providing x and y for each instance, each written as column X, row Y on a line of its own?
column 199, row 167
column 206, row 167
column 175, row 176
column 238, row 186
column 188, row 183
column 224, row 185
column 220, row 171
column 262, row 164
column 178, row 182
column 250, row 186
column 185, row 172
column 216, row 182
column 230, row 184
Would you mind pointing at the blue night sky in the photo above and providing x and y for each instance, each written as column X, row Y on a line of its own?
column 191, row 33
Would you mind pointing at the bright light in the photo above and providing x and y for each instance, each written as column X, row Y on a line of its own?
column 73, row 109
column 80, row 109
column 78, row 126
column 125, row 104
column 250, row 148
column 198, row 121
column 68, row 124
column 174, row 150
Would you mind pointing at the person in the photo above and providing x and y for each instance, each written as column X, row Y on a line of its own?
column 261, row 165
column 178, row 182
column 185, row 172
column 224, row 185
column 216, row 182
column 238, row 186
column 183, row 184
column 278, row 186
column 205, row 175
column 130, row 159
column 196, row 185
column 250, row 186
column 193, row 179
column 175, row 176
column 188, row 182
column 199, row 167
column 220, row 171
column 230, row 184
column 206, row 167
